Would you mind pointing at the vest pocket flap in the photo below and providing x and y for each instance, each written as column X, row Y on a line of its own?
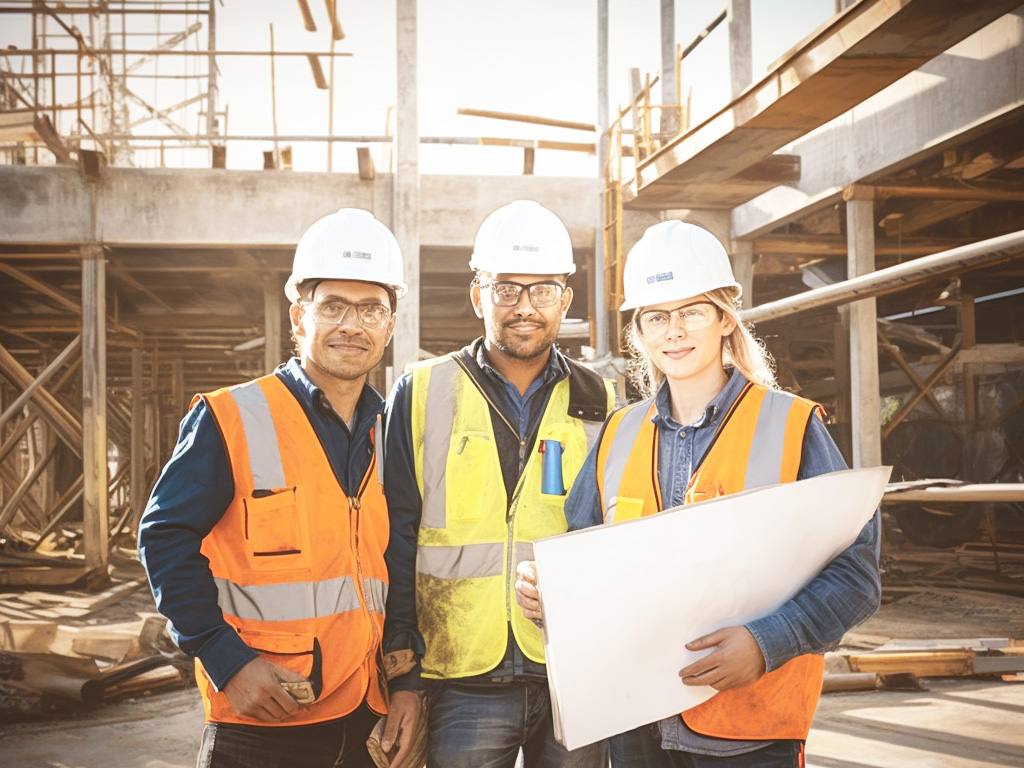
column 271, row 524
column 279, row 643
column 628, row 509
column 296, row 651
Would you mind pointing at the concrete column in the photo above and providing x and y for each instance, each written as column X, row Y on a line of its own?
column 406, row 190
column 743, row 269
column 864, row 397
column 598, row 312
column 741, row 60
column 94, row 410
column 137, row 460
column 271, row 324
column 669, row 94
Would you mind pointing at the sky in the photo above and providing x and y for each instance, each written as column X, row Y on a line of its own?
column 534, row 57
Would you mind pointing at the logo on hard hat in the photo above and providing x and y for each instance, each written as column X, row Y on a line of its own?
column 661, row 277
column 529, row 248
column 356, row 255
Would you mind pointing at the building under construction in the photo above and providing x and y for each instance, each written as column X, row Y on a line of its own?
column 870, row 185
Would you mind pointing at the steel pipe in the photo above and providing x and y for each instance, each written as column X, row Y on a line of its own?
column 891, row 279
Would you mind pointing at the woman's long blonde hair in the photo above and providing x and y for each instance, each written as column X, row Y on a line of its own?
column 741, row 349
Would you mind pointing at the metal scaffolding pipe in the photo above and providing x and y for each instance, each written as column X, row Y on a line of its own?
column 882, row 281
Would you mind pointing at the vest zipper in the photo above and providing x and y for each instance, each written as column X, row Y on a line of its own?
column 355, row 505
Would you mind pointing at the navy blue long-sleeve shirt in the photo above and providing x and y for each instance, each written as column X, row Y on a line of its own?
column 192, row 494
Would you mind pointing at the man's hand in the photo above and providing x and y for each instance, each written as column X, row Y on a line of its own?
column 736, row 662
column 400, row 727
column 255, row 691
column 527, row 594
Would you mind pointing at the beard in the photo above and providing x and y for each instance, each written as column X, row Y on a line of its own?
column 514, row 345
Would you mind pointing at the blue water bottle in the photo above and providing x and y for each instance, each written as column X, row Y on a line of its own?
column 551, row 474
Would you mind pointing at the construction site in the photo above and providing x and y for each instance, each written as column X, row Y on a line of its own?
column 868, row 184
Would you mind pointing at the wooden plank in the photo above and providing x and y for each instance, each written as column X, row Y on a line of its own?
column 533, row 119
column 863, row 51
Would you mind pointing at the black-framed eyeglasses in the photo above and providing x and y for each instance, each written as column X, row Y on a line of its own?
column 505, row 293
column 694, row 317
column 334, row 312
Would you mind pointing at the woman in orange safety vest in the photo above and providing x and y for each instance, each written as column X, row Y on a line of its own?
column 715, row 423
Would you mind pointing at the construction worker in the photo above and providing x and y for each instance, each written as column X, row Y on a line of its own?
column 264, row 536
column 464, row 487
column 715, row 423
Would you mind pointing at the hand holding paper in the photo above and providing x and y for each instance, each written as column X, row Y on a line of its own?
column 736, row 660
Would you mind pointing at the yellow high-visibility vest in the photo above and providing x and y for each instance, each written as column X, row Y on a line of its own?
column 471, row 536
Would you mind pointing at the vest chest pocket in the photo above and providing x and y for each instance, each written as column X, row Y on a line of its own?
column 274, row 530
column 472, row 477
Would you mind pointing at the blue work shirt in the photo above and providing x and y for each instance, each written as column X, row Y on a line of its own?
column 844, row 594
column 405, row 503
column 192, row 494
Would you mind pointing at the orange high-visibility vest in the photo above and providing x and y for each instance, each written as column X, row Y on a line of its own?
column 758, row 443
column 299, row 566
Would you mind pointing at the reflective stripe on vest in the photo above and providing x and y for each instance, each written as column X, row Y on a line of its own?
column 301, row 600
column 471, row 539
column 758, row 443
column 260, row 436
column 298, row 566
column 630, row 423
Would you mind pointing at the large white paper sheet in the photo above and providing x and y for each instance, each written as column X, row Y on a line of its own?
column 621, row 601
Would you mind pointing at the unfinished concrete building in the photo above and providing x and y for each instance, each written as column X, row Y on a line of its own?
column 878, row 164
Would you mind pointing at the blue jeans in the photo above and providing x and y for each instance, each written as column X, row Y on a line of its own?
column 485, row 725
column 337, row 743
column 641, row 748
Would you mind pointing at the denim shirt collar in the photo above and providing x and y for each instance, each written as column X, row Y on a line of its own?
column 555, row 369
column 311, row 396
column 714, row 410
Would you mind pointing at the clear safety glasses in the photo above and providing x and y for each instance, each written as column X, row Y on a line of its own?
column 505, row 293
column 334, row 312
column 693, row 317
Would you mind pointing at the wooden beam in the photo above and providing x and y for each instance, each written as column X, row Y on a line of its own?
column 923, row 216
column 317, row 70
column 864, row 395
column 95, row 499
column 535, row 120
column 337, row 33
column 835, row 245
column 566, row 146
column 55, row 414
column 365, row 162
column 271, row 325
column 307, row 16
column 137, row 458
column 959, row 192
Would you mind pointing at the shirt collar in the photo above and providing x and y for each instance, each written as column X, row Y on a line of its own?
column 311, row 395
column 714, row 410
column 556, row 368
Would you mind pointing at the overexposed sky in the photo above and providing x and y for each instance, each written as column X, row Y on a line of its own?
column 535, row 57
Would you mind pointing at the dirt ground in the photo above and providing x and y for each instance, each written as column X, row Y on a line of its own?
column 953, row 723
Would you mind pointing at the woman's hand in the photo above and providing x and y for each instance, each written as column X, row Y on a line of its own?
column 527, row 592
column 737, row 660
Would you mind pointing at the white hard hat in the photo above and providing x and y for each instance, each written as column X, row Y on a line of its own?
column 347, row 245
column 674, row 260
column 523, row 238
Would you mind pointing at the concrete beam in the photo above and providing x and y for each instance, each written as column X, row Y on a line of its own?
column 217, row 208
column 983, row 76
